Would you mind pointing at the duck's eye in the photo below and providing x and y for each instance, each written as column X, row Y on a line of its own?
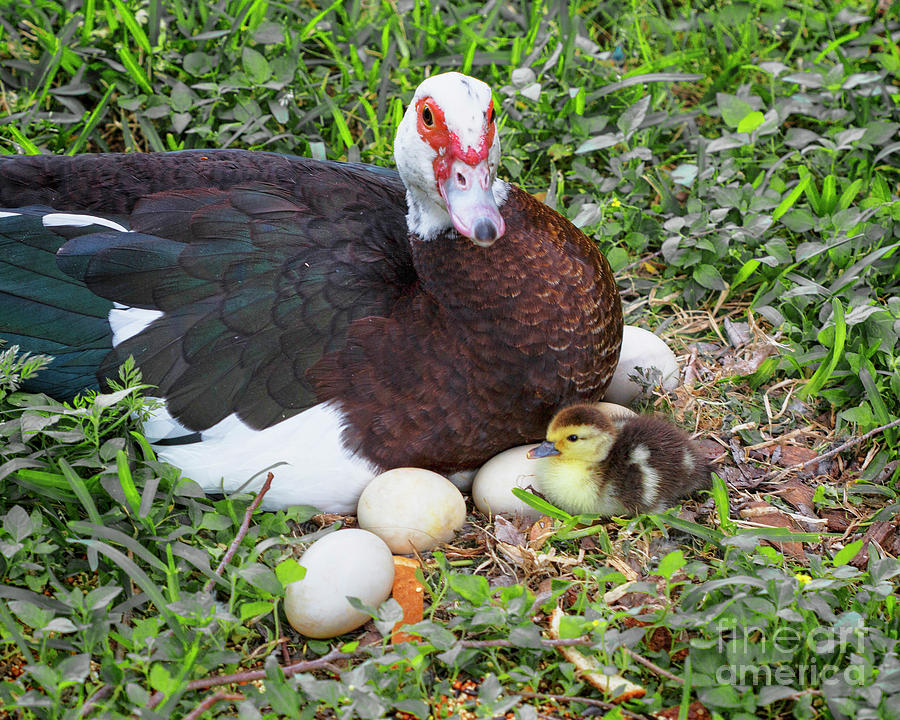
column 427, row 116
column 572, row 438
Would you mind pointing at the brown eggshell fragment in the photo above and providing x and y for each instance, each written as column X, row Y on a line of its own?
column 409, row 594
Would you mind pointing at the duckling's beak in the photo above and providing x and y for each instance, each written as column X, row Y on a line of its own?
column 545, row 449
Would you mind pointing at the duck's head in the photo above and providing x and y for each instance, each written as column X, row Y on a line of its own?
column 578, row 434
column 447, row 151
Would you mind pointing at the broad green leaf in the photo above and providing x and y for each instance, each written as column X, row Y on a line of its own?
column 823, row 372
column 160, row 679
column 709, row 277
column 81, row 491
column 256, row 608
column 30, row 614
column 750, row 122
column 99, row 598
column 75, row 669
column 261, row 577
column 670, row 564
column 180, row 98
column 747, row 269
column 847, row 553
column 849, row 194
column 126, row 482
column 541, row 505
column 474, row 588
column 828, row 199
column 733, row 109
column 631, row 119
column 17, row 522
column 255, row 65
column 289, row 571
column 197, row 63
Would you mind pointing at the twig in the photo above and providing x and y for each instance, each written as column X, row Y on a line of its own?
column 546, row 642
column 578, row 698
column 639, row 262
column 242, row 531
column 251, row 675
column 325, row 662
column 801, row 693
column 210, row 701
column 831, row 453
column 652, row 667
column 285, row 651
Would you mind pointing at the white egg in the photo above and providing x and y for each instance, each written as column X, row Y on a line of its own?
column 614, row 411
column 493, row 484
column 346, row 563
column 641, row 349
column 411, row 509
column 462, row 479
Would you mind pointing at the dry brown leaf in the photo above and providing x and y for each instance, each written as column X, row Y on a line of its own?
column 541, row 531
column 696, row 711
column 794, row 455
column 879, row 533
column 507, row 532
column 838, row 519
column 764, row 514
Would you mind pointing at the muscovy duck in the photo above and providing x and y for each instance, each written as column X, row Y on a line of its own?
column 337, row 318
column 599, row 463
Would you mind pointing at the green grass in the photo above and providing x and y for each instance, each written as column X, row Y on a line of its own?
column 732, row 160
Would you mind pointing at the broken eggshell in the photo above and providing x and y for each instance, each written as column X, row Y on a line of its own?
column 641, row 349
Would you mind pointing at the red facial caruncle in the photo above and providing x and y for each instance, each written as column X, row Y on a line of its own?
column 463, row 175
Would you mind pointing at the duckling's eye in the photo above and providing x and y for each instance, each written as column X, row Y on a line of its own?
column 572, row 438
column 427, row 116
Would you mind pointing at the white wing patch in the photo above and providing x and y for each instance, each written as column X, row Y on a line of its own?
column 75, row 220
column 305, row 453
column 126, row 322
column 6, row 214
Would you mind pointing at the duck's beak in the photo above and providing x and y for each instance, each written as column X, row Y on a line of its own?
column 545, row 449
column 468, row 193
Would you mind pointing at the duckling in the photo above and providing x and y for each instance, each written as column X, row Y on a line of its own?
column 597, row 464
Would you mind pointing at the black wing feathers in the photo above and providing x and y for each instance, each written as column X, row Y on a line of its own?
column 45, row 310
column 257, row 284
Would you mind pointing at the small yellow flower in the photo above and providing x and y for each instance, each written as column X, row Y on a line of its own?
column 802, row 578
column 615, row 202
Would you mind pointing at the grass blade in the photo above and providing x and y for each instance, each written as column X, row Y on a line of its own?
column 823, row 372
column 81, row 491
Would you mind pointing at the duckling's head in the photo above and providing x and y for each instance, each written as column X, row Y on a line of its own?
column 578, row 435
